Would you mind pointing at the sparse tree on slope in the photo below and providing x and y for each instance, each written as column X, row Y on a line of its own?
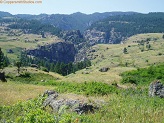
column 125, row 51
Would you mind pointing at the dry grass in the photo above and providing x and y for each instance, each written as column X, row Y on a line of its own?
column 112, row 56
column 23, row 41
column 11, row 93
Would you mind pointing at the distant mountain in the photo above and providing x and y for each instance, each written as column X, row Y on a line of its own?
column 115, row 29
column 75, row 21
column 5, row 14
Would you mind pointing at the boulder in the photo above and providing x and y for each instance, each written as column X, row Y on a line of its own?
column 59, row 105
column 104, row 69
column 84, row 108
column 156, row 89
column 10, row 51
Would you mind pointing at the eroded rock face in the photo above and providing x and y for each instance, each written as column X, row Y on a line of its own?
column 156, row 89
column 73, row 36
column 94, row 36
column 59, row 104
column 57, row 52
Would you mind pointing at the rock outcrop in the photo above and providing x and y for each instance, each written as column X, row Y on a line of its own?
column 73, row 36
column 60, row 104
column 156, row 89
column 94, row 37
column 104, row 69
column 56, row 52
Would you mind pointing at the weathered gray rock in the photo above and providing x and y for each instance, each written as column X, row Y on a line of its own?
column 73, row 36
column 84, row 108
column 156, row 89
column 56, row 52
column 104, row 69
column 58, row 104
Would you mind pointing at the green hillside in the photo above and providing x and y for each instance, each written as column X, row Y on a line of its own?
column 120, row 92
column 113, row 57
column 118, row 28
column 13, row 41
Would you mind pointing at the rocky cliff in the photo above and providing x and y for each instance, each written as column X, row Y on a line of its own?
column 94, row 36
column 56, row 52
column 73, row 36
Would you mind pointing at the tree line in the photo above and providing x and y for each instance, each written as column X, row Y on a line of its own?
column 4, row 61
column 33, row 26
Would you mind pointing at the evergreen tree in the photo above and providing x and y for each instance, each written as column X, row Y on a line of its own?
column 4, row 61
column 57, row 68
column 18, row 64
column 52, row 67
column 148, row 46
column 1, row 59
column 125, row 51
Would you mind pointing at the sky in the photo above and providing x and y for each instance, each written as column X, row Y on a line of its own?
column 84, row 6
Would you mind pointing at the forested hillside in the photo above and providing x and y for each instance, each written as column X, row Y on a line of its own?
column 75, row 21
column 118, row 28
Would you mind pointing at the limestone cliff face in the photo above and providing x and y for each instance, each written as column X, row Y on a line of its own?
column 73, row 36
column 94, row 36
column 56, row 52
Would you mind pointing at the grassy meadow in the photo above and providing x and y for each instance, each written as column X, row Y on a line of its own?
column 112, row 56
column 21, row 100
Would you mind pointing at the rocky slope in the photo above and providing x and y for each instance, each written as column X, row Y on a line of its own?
column 56, row 52
column 115, row 29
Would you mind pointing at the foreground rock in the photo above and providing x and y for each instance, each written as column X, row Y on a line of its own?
column 61, row 104
column 156, row 89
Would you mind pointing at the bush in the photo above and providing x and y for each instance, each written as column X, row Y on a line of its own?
column 25, row 75
column 87, row 88
column 26, row 112
column 129, row 79
column 44, row 69
column 144, row 75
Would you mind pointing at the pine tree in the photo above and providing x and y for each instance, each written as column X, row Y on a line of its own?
column 52, row 67
column 148, row 46
column 1, row 59
column 18, row 64
column 57, row 68
column 125, row 51
column 4, row 61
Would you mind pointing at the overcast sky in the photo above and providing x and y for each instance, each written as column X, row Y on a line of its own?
column 84, row 6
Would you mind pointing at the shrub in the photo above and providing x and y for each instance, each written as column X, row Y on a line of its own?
column 144, row 75
column 25, row 75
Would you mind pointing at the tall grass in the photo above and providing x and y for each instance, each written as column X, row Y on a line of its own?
column 135, row 107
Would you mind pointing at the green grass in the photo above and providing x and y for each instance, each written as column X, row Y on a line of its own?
column 121, row 104
column 128, row 106
column 23, row 41
column 112, row 56
column 144, row 76
column 86, row 88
